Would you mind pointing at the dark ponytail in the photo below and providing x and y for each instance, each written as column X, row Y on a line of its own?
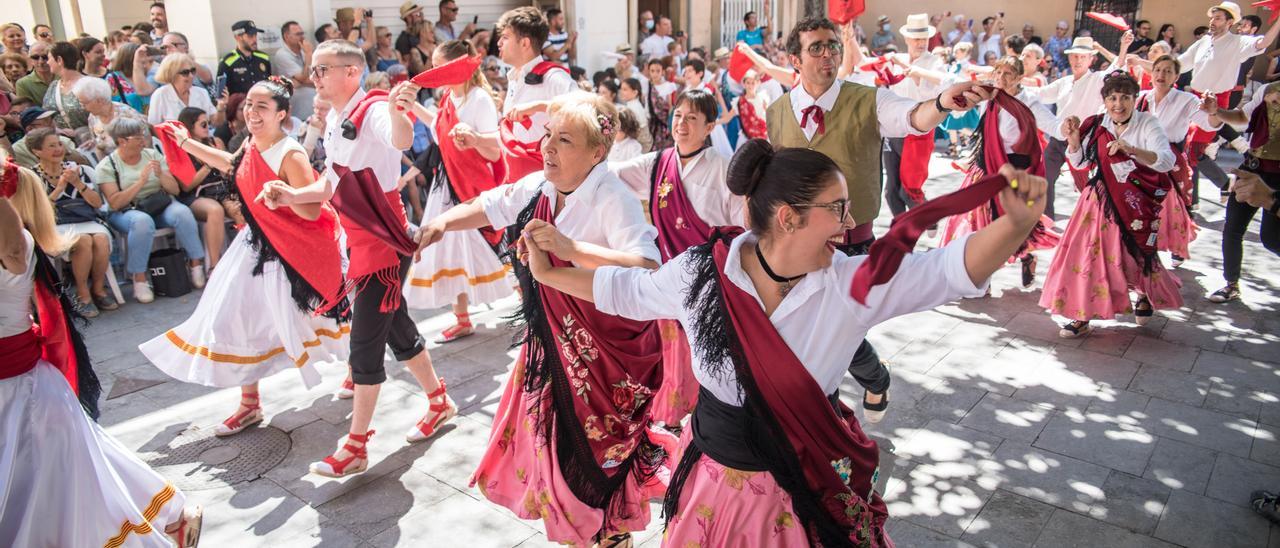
column 771, row 178
column 281, row 91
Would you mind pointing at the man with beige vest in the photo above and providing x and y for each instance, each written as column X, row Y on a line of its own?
column 846, row 122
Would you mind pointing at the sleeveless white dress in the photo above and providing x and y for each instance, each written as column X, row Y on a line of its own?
column 248, row 327
column 63, row 480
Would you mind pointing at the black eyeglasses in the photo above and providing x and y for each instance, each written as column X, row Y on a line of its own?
column 839, row 207
column 322, row 70
column 186, row 72
column 816, row 49
column 39, row 57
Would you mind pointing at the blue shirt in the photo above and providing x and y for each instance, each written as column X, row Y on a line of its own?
column 753, row 38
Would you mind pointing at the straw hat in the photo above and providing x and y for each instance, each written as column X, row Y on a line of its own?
column 1229, row 7
column 624, row 49
column 918, row 27
column 721, row 53
column 1081, row 44
column 409, row 8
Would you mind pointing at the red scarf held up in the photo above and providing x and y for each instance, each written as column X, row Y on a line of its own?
column 842, row 11
column 822, row 439
column 179, row 161
column 887, row 252
column 993, row 154
column 310, row 248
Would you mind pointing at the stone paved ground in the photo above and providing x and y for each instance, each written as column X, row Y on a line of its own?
column 999, row 434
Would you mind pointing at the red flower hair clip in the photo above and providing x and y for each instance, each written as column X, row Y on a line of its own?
column 9, row 179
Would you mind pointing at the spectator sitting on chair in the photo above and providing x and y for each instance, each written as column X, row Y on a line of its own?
column 76, row 202
column 178, row 74
column 95, row 95
column 36, row 117
column 208, row 194
column 139, row 189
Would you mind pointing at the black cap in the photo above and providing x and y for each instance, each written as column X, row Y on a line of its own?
column 31, row 114
column 245, row 27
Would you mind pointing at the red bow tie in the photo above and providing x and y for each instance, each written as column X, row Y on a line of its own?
column 818, row 118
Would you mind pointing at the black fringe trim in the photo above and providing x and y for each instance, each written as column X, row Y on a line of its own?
column 542, row 365
column 89, row 388
column 305, row 297
column 714, row 340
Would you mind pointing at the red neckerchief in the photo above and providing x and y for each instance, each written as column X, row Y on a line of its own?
column 819, row 118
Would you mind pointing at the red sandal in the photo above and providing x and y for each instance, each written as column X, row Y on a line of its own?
column 348, row 389
column 460, row 330
column 441, row 411
column 186, row 533
column 251, row 415
column 331, row 467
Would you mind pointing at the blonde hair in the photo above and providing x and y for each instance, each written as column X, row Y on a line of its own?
column 591, row 112
column 171, row 65
column 376, row 78
column 961, row 46
column 345, row 50
column 36, row 211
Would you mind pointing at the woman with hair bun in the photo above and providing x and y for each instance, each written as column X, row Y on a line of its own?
column 685, row 187
column 568, row 443
column 276, row 300
column 776, row 458
column 1109, row 245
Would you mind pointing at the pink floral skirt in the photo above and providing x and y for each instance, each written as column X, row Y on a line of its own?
column 521, row 472
column 1043, row 236
column 1092, row 273
column 722, row 506
column 1177, row 229
column 679, row 392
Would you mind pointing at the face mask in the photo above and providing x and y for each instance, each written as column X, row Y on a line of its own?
column 885, row 27
column 648, row 25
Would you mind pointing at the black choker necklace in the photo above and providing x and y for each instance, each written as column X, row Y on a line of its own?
column 787, row 283
column 684, row 156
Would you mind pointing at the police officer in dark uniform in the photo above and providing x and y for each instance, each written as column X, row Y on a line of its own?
column 245, row 66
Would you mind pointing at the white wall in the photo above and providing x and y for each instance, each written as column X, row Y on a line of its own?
column 602, row 25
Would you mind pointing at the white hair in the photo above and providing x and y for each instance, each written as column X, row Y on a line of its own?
column 90, row 89
column 1039, row 51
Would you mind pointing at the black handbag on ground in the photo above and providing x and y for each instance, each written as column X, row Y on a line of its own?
column 169, row 275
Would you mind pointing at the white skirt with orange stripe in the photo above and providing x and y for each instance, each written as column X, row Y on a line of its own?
column 65, row 481
column 461, row 262
column 246, row 328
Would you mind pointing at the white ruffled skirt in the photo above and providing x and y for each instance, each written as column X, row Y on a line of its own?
column 247, row 328
column 66, row 482
column 461, row 262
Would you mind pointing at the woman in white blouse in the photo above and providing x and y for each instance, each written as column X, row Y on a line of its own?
column 177, row 72
column 590, row 375
column 1176, row 110
column 799, row 331
column 1109, row 245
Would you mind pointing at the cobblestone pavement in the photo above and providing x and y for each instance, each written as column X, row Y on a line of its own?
column 999, row 434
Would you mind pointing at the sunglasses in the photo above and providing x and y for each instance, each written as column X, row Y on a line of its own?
column 45, row 35
column 453, row 9
column 39, row 57
column 186, row 72
column 839, row 207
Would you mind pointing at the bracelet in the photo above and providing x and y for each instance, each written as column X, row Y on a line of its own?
column 937, row 103
column 184, row 141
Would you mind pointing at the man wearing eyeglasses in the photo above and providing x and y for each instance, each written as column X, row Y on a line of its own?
column 176, row 42
column 33, row 86
column 846, row 122
column 245, row 66
column 444, row 27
